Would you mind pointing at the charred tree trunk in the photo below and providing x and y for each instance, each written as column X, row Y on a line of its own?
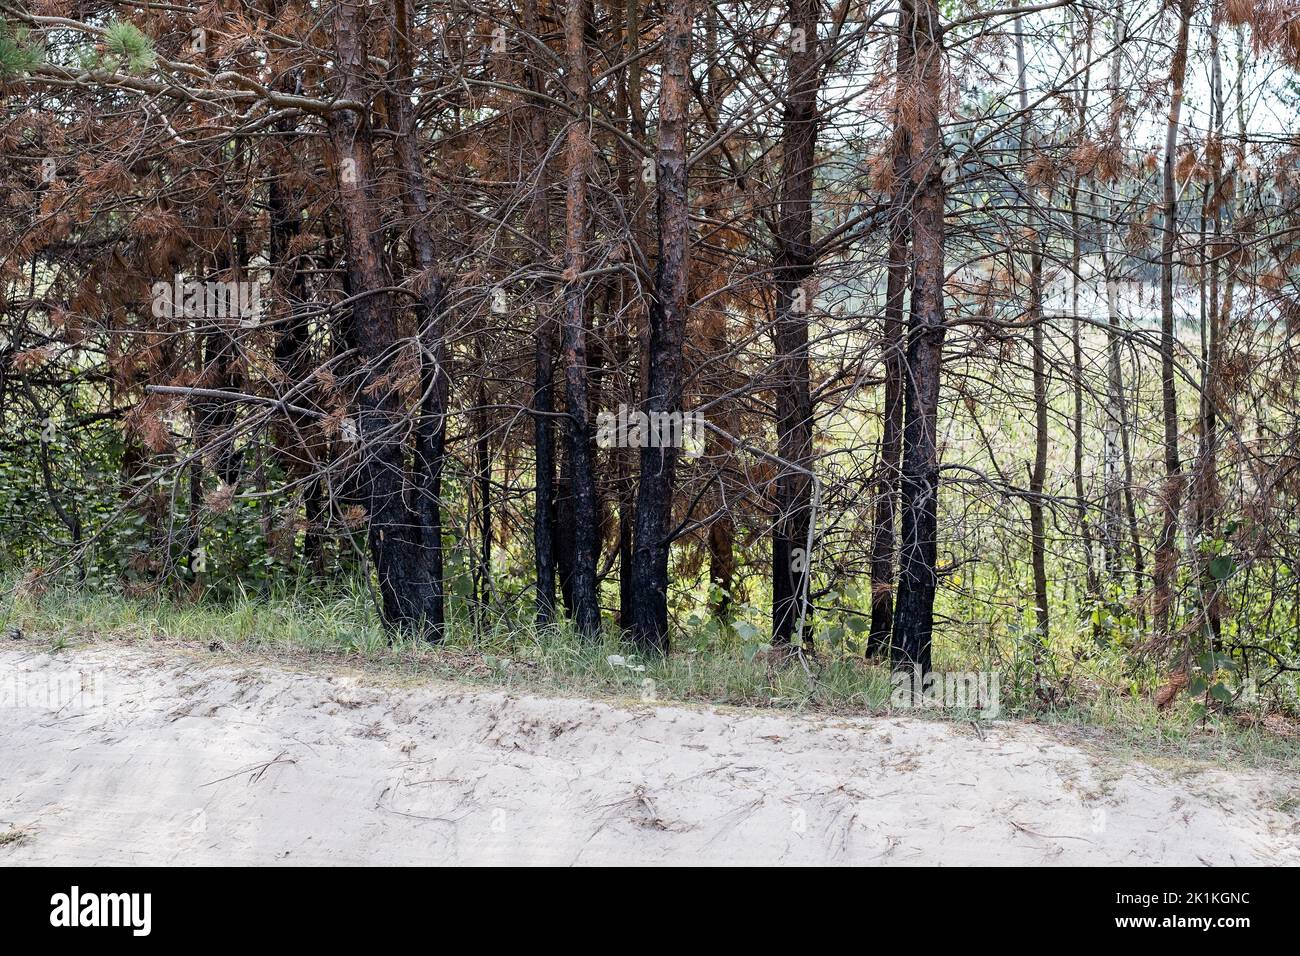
column 722, row 528
column 407, row 593
column 431, row 430
column 654, row 503
column 1172, row 494
column 293, row 358
column 482, row 575
column 586, row 596
column 893, row 345
column 1038, row 471
column 918, row 550
column 629, row 344
column 791, row 560
column 539, row 227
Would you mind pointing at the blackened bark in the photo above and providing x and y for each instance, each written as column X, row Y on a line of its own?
column 482, row 577
column 395, row 534
column 630, row 343
column 431, row 429
column 882, row 539
column 284, row 211
column 544, row 524
column 313, row 543
column 1038, row 473
column 918, row 550
column 293, row 356
column 563, row 541
column 893, row 345
column 539, row 227
column 722, row 528
column 623, row 461
column 791, row 561
column 667, row 327
column 586, row 595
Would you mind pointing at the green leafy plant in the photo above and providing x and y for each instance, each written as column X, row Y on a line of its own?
column 18, row 52
column 128, row 47
column 1204, row 683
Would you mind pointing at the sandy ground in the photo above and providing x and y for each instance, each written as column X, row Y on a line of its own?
column 166, row 758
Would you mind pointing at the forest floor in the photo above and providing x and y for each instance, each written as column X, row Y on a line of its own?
column 183, row 754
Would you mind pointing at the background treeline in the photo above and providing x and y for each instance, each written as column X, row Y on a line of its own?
column 989, row 312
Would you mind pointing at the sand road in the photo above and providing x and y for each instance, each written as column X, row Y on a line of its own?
column 176, row 756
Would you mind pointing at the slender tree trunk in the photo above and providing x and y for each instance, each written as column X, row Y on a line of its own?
column 1207, row 490
column 791, row 560
column 293, row 357
column 482, row 576
column 1076, row 356
column 893, row 346
column 918, row 554
column 284, row 212
column 1118, row 405
column 1076, row 342
column 409, row 597
column 629, row 344
column 539, row 227
column 431, row 428
column 586, row 596
column 654, row 502
column 1119, row 414
column 1172, row 494
column 722, row 529
column 1038, row 471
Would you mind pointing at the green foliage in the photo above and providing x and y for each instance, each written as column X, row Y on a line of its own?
column 127, row 47
column 136, row 530
column 1206, row 683
column 1221, row 567
column 18, row 52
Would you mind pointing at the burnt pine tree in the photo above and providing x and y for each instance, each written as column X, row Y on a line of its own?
column 654, row 504
column 795, row 259
column 539, row 229
column 893, row 344
column 919, row 484
column 431, row 428
column 582, row 464
column 409, row 596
